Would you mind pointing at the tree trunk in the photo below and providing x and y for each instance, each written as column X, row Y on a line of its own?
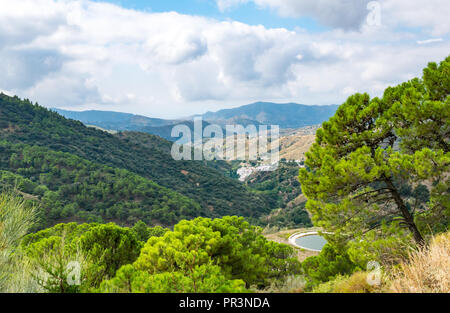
column 405, row 213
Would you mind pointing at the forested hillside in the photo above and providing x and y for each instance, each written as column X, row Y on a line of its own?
column 71, row 188
column 151, row 141
column 30, row 124
column 113, row 120
column 283, row 191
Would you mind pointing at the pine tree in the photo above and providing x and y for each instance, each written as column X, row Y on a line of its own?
column 367, row 157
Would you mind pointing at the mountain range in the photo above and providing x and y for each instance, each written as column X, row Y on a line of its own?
column 286, row 116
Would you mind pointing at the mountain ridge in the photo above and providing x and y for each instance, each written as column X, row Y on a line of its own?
column 286, row 115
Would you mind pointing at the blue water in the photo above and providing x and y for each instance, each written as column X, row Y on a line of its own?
column 315, row 242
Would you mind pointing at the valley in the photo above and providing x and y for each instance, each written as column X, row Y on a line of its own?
column 138, row 220
column 256, row 150
column 107, row 162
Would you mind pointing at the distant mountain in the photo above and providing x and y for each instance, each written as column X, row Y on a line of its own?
column 165, row 131
column 286, row 115
column 114, row 120
column 118, row 121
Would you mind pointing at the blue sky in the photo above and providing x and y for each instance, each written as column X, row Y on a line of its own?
column 205, row 55
column 248, row 13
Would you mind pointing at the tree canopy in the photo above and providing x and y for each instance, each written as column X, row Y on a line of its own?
column 229, row 247
column 373, row 159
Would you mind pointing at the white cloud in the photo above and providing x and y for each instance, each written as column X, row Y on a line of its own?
column 25, row 67
column 95, row 55
column 224, row 5
column 352, row 14
column 65, row 90
column 431, row 15
column 427, row 41
column 345, row 14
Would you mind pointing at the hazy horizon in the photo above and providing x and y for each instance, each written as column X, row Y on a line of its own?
column 188, row 116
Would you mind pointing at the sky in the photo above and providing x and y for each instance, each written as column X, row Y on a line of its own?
column 176, row 58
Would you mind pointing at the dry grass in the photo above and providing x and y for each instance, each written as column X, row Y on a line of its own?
column 15, row 220
column 428, row 270
column 295, row 146
column 356, row 283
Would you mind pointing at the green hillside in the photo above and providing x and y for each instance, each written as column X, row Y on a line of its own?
column 113, row 120
column 71, row 188
column 27, row 123
column 152, row 141
column 283, row 191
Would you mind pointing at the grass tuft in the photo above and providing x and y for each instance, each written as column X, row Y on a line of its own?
column 428, row 269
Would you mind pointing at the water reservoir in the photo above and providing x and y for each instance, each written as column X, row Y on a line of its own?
column 309, row 241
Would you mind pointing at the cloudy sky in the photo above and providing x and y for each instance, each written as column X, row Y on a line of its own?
column 174, row 58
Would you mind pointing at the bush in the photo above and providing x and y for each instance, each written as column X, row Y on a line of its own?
column 291, row 284
column 205, row 278
column 329, row 264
